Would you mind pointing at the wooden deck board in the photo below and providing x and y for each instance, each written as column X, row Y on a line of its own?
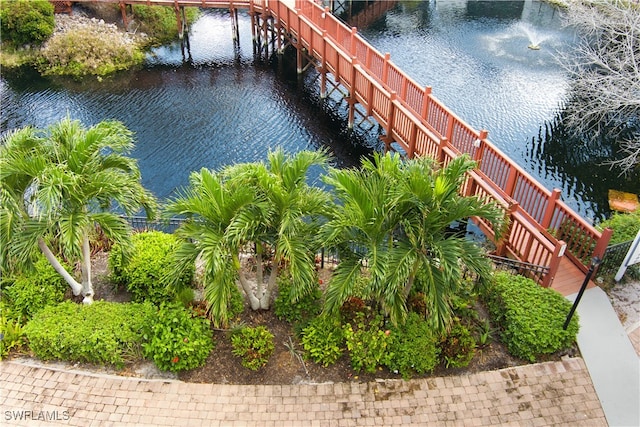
column 569, row 278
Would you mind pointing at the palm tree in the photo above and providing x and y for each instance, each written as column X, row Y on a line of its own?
column 266, row 207
column 398, row 213
column 57, row 184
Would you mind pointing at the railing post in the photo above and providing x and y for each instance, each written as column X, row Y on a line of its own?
column 385, row 67
column 443, row 142
column 354, row 32
column 412, row 141
column 602, row 243
column 551, row 208
column 558, row 253
column 511, row 181
column 449, row 131
column 425, row 102
column 388, row 138
column 501, row 246
column 479, row 144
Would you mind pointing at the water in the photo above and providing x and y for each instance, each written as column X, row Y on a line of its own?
column 212, row 105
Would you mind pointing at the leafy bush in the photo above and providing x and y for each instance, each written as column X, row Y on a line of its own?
column 458, row 346
column 368, row 343
column 177, row 339
column 531, row 317
column 323, row 340
column 253, row 345
column 29, row 293
column 144, row 273
column 306, row 307
column 85, row 51
column 102, row 332
column 352, row 308
column 26, row 21
column 625, row 226
column 160, row 21
column 11, row 334
column 413, row 347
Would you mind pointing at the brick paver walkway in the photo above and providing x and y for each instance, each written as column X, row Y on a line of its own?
column 552, row 393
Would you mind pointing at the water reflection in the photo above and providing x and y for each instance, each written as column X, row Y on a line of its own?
column 212, row 105
column 580, row 165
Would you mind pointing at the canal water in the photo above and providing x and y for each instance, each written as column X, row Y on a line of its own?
column 212, row 105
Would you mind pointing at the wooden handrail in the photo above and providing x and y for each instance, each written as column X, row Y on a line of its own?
column 422, row 125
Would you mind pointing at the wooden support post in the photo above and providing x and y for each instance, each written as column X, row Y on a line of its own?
column 123, row 11
column 179, row 13
column 558, row 253
column 323, row 70
column 299, row 58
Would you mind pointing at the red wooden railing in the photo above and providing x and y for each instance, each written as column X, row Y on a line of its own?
column 542, row 227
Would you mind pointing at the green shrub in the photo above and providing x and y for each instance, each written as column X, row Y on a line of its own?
column 11, row 334
column 26, row 21
column 413, row 347
column 458, row 346
column 85, row 51
column 102, row 332
column 29, row 293
column 253, row 345
column 323, row 340
column 150, row 263
column 625, row 226
column 177, row 339
column 286, row 309
column 160, row 21
column 368, row 343
column 530, row 317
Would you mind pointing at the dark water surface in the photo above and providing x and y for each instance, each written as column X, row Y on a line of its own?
column 211, row 105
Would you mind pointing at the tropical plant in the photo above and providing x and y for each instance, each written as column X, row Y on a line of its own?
column 394, row 215
column 143, row 273
column 531, row 317
column 57, row 184
column 413, row 347
column 30, row 292
column 177, row 339
column 103, row 332
column 253, row 345
column 323, row 340
column 266, row 207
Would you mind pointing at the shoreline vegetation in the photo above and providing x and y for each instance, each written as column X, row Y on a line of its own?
column 89, row 42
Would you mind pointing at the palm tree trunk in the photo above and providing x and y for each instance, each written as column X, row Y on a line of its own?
column 412, row 277
column 273, row 276
column 75, row 286
column 259, row 272
column 246, row 286
column 87, row 286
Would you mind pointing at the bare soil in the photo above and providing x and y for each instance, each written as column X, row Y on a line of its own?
column 286, row 365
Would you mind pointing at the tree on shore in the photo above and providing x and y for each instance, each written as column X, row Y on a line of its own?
column 604, row 102
column 395, row 214
column 259, row 214
column 57, row 185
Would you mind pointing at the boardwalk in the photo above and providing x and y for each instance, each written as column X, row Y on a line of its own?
column 553, row 393
column 544, row 231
